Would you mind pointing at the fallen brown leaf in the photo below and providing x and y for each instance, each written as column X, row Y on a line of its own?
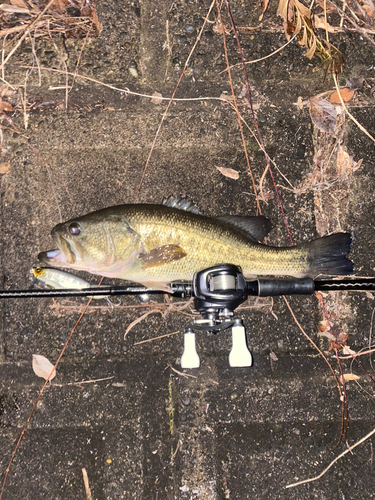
column 4, row 168
column 323, row 326
column 323, row 115
column 319, row 22
column 43, row 367
column 229, row 172
column 346, row 95
column 345, row 163
column 226, row 97
column 5, row 106
column 156, row 98
column 265, row 5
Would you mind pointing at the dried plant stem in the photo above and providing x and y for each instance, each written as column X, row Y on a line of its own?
column 86, row 483
column 237, row 111
column 27, row 31
column 124, row 90
column 157, row 338
column 361, row 127
column 253, row 61
column 255, row 121
column 333, row 461
column 315, row 346
column 141, row 318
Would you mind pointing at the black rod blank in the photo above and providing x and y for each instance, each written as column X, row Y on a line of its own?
column 262, row 287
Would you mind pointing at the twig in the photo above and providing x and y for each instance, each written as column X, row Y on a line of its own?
column 333, row 461
column 84, row 382
column 255, row 120
column 156, row 338
column 79, row 59
column 86, row 483
column 313, row 343
column 124, row 90
column 27, row 31
column 186, row 375
column 237, row 111
column 141, row 318
column 361, row 127
column 253, row 61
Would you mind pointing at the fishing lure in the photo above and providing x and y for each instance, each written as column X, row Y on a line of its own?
column 57, row 279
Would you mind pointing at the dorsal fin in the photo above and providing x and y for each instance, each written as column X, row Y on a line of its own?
column 257, row 227
column 181, row 204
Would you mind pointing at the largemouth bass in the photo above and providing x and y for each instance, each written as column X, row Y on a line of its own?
column 157, row 244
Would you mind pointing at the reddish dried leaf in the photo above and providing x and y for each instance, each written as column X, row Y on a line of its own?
column 369, row 7
column 95, row 20
column 323, row 115
column 346, row 95
column 5, row 106
column 229, row 172
column 265, row 5
column 5, row 168
column 43, row 367
column 323, row 326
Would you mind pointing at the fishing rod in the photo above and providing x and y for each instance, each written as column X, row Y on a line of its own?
column 217, row 292
column 257, row 287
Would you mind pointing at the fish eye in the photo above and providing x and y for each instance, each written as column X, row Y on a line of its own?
column 74, row 228
column 37, row 270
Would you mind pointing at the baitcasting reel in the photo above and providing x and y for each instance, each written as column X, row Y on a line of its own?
column 218, row 291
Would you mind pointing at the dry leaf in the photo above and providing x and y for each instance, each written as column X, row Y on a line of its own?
column 4, row 168
column 323, row 325
column 346, row 95
column 156, row 98
column 370, row 295
column 5, row 106
column 42, row 367
column 265, row 5
column 319, row 22
column 226, row 97
column 323, row 115
column 351, row 376
column 273, row 356
column 229, row 172
column 59, row 6
column 369, row 7
column 19, row 3
column 13, row 9
column 345, row 163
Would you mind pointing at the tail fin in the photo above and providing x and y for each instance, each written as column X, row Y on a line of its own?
column 327, row 255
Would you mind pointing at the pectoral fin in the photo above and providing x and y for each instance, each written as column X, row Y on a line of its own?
column 161, row 255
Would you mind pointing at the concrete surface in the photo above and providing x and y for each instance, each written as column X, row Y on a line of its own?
column 149, row 432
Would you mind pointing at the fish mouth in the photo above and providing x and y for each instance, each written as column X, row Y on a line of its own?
column 63, row 255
